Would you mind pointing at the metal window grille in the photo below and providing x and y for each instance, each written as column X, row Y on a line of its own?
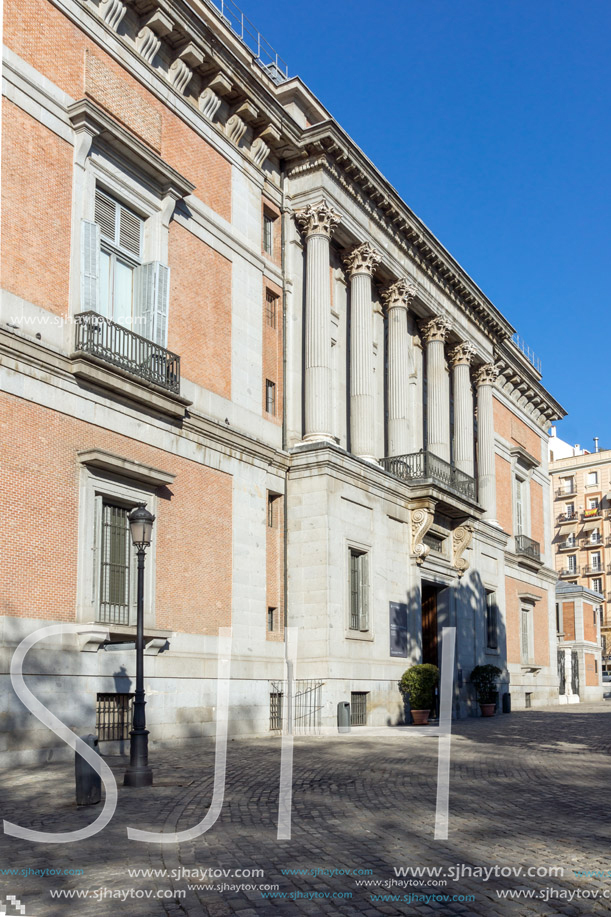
column 268, row 234
column 307, row 706
column 270, row 308
column 113, row 716
column 271, row 619
column 358, row 708
column 114, row 566
column 528, row 700
column 491, row 621
column 271, row 514
column 359, row 591
column 270, row 397
column 275, row 711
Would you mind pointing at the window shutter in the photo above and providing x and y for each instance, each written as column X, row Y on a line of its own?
column 152, row 287
column 129, row 231
column 364, row 571
column 106, row 215
column 90, row 266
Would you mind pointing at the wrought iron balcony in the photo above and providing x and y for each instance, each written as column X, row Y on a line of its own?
column 592, row 569
column 566, row 492
column 423, row 466
column 567, row 571
column 594, row 513
column 135, row 355
column 592, row 542
column 528, row 547
column 566, row 517
column 567, row 546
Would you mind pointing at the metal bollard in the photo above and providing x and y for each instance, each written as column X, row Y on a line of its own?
column 343, row 716
column 88, row 781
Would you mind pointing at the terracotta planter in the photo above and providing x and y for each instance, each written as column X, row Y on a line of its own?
column 488, row 709
column 420, row 717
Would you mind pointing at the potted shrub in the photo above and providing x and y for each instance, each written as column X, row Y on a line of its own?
column 418, row 683
column 484, row 678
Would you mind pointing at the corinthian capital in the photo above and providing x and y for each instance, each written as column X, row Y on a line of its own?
column 462, row 354
column 362, row 260
column 436, row 329
column 317, row 219
column 399, row 294
column 486, row 374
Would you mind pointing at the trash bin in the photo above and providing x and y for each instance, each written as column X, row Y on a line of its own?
column 88, row 781
column 506, row 702
column 343, row 716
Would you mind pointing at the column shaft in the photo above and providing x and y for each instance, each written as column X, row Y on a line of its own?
column 362, row 431
column 317, row 358
column 397, row 296
column 438, row 400
column 485, row 437
column 460, row 359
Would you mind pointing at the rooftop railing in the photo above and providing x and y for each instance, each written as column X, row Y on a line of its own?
column 421, row 466
column 121, row 347
column 530, row 355
column 269, row 59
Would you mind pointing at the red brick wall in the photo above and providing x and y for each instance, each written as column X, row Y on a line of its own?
column 539, row 619
column 272, row 351
column 591, row 673
column 39, row 505
column 275, row 566
column 48, row 29
column 589, row 624
column 36, row 211
column 199, row 326
column 515, row 431
column 568, row 620
column 504, row 507
column 537, row 528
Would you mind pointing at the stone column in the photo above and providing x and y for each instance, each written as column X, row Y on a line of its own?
column 317, row 222
column 485, row 379
column 435, row 333
column 397, row 297
column 461, row 358
column 361, row 264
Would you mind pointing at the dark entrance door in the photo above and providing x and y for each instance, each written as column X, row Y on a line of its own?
column 429, row 624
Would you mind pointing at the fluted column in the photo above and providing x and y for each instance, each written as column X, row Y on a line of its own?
column 485, row 379
column 317, row 222
column 461, row 358
column 361, row 264
column 435, row 334
column 397, row 297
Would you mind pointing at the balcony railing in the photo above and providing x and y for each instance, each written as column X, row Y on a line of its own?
column 592, row 542
column 420, row 466
column 592, row 569
column 528, row 547
column 114, row 344
column 567, row 546
column 566, row 492
column 594, row 513
column 567, row 571
column 566, row 517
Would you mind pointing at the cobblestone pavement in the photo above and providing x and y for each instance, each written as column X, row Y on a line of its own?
column 528, row 791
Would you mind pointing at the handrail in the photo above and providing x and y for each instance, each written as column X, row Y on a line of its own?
column 269, row 59
column 422, row 465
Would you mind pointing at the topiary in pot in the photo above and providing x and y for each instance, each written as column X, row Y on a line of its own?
column 484, row 678
column 418, row 683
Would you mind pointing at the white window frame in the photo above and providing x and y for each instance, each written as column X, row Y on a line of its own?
column 592, row 479
column 597, row 579
column 571, row 563
column 526, row 615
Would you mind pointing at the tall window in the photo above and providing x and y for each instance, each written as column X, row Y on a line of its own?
column 271, row 301
column 120, row 250
column 597, row 584
column 268, row 233
column 492, row 621
column 592, row 478
column 525, row 635
column 270, row 397
column 572, row 563
column 596, row 564
column 520, row 506
column 115, row 563
column 271, row 619
column 359, row 590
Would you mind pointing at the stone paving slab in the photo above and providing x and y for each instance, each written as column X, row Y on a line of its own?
column 530, row 790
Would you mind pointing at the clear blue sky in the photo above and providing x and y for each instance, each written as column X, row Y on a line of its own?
column 492, row 120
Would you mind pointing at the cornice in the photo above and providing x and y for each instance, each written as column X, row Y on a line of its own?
column 520, row 384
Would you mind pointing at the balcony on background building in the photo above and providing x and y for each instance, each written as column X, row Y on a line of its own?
column 134, row 355
column 592, row 569
column 567, row 571
column 592, row 542
column 567, row 546
column 420, row 467
column 528, row 547
column 594, row 513
column 566, row 517
column 566, row 492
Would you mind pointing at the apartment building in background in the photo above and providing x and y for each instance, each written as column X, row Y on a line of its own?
column 216, row 306
column 581, row 483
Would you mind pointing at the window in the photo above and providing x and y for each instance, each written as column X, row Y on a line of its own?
column 520, row 507
column 271, row 510
column 113, row 716
column 596, row 564
column 358, row 708
column 570, row 539
column 120, row 246
column 569, row 509
column 398, row 629
column 597, row 584
column 572, row 563
column 592, row 478
column 271, row 619
column 271, row 301
column 567, row 485
column 270, row 397
column 595, row 536
column 492, row 621
column 359, row 590
column 115, row 565
column 525, row 636
column 268, row 233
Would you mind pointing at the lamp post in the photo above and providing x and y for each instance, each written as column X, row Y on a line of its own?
column 139, row 773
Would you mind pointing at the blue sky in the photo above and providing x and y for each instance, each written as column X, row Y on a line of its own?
column 492, row 120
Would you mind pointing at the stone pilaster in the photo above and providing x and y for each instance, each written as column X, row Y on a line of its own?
column 317, row 223
column 485, row 379
column 361, row 264
column 435, row 334
column 397, row 297
column 461, row 358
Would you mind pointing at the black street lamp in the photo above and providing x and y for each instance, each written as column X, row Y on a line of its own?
column 139, row 773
